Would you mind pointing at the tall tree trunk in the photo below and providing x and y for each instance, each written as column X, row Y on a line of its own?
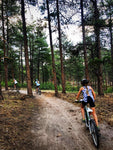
column 43, row 77
column 4, row 48
column 7, row 51
column 111, row 41
column 52, row 50
column 60, row 47
column 38, row 66
column 32, row 64
column 22, row 78
column 31, row 60
column 84, row 41
column 1, row 96
column 97, row 46
column 29, row 88
column 12, row 70
column 19, row 66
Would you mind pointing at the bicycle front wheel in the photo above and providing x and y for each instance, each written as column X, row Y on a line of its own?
column 94, row 133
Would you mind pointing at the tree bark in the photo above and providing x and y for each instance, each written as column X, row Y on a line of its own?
column 31, row 60
column 60, row 47
column 111, row 42
column 52, row 50
column 1, row 96
column 4, row 48
column 22, row 77
column 29, row 88
column 97, row 46
column 38, row 66
column 84, row 41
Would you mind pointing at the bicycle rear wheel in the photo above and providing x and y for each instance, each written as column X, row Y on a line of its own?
column 18, row 89
column 94, row 133
column 39, row 92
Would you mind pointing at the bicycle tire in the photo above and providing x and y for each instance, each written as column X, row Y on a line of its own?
column 94, row 133
column 39, row 92
column 17, row 89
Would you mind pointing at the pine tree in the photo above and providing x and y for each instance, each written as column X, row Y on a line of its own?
column 29, row 88
column 52, row 50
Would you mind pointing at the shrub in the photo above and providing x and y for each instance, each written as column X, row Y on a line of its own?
column 69, row 87
column 109, row 90
column 47, row 86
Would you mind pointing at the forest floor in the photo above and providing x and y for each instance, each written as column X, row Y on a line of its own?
column 46, row 122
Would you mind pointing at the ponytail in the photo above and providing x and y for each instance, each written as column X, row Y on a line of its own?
column 87, row 90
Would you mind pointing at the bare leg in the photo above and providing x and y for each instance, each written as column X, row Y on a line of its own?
column 14, row 86
column 82, row 111
column 94, row 115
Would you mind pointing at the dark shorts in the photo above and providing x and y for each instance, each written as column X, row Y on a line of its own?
column 90, row 101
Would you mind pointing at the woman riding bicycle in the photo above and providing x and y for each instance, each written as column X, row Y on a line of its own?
column 37, row 85
column 88, row 97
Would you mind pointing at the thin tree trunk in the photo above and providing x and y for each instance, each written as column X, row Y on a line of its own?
column 7, row 36
column 22, row 78
column 32, row 64
column 43, row 77
column 97, row 46
column 52, row 50
column 4, row 48
column 111, row 42
column 31, row 61
column 12, row 70
column 38, row 66
column 29, row 88
column 1, row 96
column 19, row 66
column 84, row 41
column 60, row 47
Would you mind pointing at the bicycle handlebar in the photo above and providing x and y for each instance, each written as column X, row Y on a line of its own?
column 79, row 101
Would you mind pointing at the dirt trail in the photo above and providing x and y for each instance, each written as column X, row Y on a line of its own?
column 57, row 126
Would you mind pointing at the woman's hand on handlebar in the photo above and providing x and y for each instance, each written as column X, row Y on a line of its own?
column 76, row 101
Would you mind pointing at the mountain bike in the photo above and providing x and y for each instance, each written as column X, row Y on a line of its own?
column 38, row 91
column 17, row 88
column 90, row 124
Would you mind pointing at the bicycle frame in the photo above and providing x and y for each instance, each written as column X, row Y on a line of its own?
column 87, row 115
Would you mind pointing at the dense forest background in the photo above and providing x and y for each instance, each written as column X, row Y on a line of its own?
column 61, row 65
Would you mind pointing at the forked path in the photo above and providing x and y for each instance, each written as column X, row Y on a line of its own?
column 57, row 126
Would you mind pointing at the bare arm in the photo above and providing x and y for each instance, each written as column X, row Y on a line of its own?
column 94, row 95
column 79, row 93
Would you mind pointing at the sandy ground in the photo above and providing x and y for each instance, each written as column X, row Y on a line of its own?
column 57, row 126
